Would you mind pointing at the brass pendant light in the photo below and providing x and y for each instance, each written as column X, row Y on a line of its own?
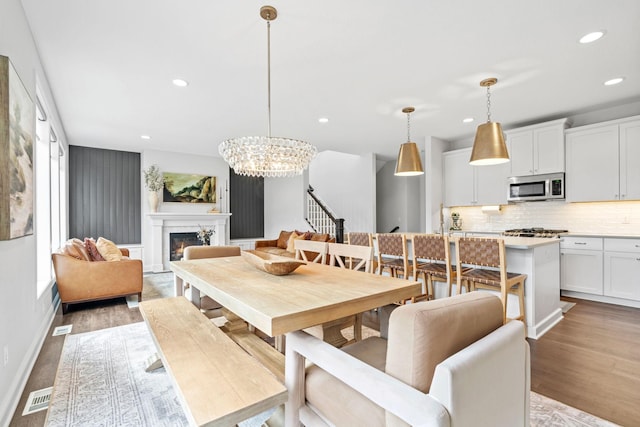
column 409, row 162
column 489, row 147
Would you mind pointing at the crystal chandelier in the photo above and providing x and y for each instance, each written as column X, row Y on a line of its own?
column 267, row 156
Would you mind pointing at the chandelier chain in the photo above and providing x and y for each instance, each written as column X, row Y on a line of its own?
column 408, row 127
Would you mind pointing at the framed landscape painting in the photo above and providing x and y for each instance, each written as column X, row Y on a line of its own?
column 188, row 188
column 17, row 115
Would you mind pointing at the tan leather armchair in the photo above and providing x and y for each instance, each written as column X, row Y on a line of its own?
column 82, row 281
column 446, row 362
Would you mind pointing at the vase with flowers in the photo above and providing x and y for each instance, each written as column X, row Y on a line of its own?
column 154, row 181
column 204, row 235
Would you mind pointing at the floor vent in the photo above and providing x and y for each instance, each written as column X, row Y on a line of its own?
column 37, row 401
column 62, row 330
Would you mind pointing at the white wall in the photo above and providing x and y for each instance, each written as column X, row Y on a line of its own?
column 182, row 163
column 346, row 184
column 24, row 318
column 284, row 205
column 434, row 148
column 398, row 201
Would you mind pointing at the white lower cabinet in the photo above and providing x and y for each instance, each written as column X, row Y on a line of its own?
column 608, row 267
column 581, row 265
column 581, row 271
column 622, row 268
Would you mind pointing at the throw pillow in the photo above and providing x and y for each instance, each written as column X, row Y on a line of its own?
column 90, row 244
column 283, row 239
column 74, row 248
column 292, row 238
column 319, row 237
column 108, row 249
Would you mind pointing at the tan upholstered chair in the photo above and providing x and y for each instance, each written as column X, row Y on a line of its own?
column 488, row 258
column 431, row 257
column 447, row 362
column 392, row 255
column 201, row 252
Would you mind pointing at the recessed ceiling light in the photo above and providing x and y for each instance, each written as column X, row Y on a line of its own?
column 145, row 137
column 467, row 120
column 614, row 81
column 591, row 37
column 323, row 120
column 180, row 82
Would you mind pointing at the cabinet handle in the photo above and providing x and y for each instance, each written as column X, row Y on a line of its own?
column 637, row 246
column 623, row 196
column 580, row 243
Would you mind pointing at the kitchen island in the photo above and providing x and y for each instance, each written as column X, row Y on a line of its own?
column 539, row 259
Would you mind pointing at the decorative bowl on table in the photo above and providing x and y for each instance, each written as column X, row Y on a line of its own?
column 272, row 264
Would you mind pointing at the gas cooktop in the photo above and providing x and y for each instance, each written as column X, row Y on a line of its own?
column 534, row 232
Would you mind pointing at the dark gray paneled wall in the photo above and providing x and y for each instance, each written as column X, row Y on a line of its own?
column 246, row 202
column 104, row 194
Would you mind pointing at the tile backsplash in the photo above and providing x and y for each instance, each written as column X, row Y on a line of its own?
column 598, row 218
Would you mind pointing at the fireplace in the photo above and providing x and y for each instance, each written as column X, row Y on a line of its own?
column 179, row 241
column 163, row 224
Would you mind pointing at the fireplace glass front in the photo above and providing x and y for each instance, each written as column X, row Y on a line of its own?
column 179, row 241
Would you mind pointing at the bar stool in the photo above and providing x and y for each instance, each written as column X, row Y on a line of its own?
column 431, row 256
column 482, row 252
column 360, row 239
column 392, row 255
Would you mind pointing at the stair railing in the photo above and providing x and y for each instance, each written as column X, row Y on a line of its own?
column 320, row 218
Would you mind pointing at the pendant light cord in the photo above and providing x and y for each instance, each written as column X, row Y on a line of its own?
column 488, row 105
column 269, row 77
column 408, row 127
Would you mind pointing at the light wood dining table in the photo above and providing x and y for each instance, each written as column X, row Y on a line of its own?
column 311, row 295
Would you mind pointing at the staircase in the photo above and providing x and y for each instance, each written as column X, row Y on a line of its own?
column 321, row 219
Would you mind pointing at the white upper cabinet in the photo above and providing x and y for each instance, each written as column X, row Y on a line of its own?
column 630, row 161
column 602, row 161
column 537, row 149
column 466, row 185
column 458, row 178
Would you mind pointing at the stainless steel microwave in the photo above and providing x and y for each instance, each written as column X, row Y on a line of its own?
column 536, row 187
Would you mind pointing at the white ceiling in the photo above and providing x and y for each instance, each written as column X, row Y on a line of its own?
column 110, row 65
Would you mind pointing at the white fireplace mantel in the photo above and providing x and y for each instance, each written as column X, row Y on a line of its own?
column 164, row 223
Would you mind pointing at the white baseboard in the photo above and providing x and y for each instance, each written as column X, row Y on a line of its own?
column 10, row 402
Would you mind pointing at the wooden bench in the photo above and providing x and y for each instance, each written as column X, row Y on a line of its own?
column 217, row 382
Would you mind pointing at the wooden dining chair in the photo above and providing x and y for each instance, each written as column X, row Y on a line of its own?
column 488, row 270
column 357, row 257
column 310, row 251
column 392, row 255
column 431, row 257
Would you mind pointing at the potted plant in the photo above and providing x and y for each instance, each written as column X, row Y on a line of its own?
column 154, row 181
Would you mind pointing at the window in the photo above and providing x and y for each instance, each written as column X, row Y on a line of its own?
column 50, row 203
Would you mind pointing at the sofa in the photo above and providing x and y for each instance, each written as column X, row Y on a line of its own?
column 284, row 246
column 84, row 274
column 446, row 362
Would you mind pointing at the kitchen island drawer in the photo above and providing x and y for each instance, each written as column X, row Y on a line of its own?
column 622, row 245
column 591, row 243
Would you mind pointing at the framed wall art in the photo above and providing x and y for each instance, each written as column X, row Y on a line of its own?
column 189, row 188
column 17, row 118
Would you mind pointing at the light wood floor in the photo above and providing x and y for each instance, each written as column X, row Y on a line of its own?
column 590, row 360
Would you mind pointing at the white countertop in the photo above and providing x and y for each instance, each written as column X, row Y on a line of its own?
column 528, row 242
column 618, row 236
